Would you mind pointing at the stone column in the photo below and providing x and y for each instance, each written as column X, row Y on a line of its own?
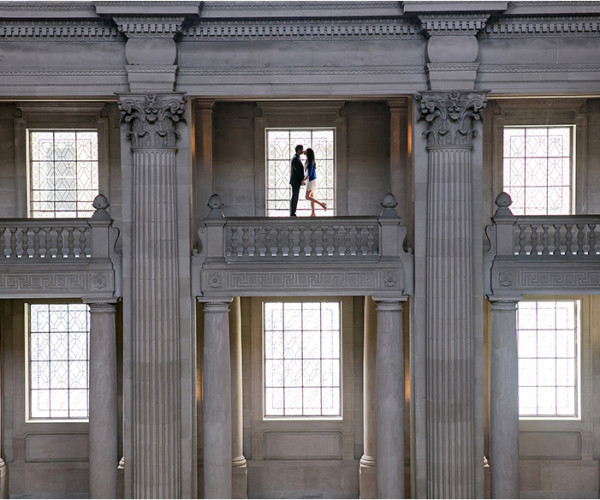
column 452, row 291
column 504, row 400
column 217, row 401
column 239, row 465
column 390, row 400
column 103, row 453
column 154, row 466
column 368, row 471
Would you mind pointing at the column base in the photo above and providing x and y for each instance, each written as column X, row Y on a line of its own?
column 239, row 478
column 367, row 477
column 3, row 479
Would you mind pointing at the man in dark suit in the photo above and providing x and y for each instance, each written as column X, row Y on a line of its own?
column 296, row 179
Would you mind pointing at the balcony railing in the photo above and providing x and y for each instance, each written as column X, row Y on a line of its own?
column 268, row 237
column 557, row 236
column 47, row 239
column 541, row 254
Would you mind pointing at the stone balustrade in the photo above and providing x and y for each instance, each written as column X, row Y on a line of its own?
column 45, row 239
column 269, row 255
column 557, row 236
column 324, row 237
column 541, row 253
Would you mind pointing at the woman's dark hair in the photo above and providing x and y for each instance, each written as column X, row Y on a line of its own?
column 310, row 155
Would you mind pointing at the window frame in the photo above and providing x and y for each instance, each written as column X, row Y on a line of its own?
column 68, row 116
column 27, row 367
column 572, row 163
column 585, row 421
column 578, row 361
column 30, row 166
column 305, row 115
column 331, row 203
column 302, row 417
column 536, row 113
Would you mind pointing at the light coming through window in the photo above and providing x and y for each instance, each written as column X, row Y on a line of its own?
column 280, row 151
column 302, row 361
column 58, row 375
column 538, row 169
column 63, row 173
column 548, row 339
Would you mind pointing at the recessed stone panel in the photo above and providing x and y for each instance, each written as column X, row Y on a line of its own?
column 550, row 445
column 302, row 445
column 56, row 448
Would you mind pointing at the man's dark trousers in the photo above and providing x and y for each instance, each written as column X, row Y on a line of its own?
column 296, row 179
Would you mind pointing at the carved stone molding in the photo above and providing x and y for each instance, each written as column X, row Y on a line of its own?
column 153, row 119
column 515, row 27
column 451, row 117
column 351, row 70
column 302, row 29
column 81, row 30
column 149, row 27
column 453, row 24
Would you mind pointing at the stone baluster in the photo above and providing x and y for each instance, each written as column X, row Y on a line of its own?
column 504, row 399
column 103, row 453
column 217, row 401
column 155, row 465
column 452, row 343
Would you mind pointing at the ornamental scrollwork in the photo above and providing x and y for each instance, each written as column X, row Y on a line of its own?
column 153, row 119
column 451, row 116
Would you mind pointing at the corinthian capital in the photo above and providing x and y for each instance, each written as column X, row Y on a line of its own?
column 153, row 118
column 451, row 116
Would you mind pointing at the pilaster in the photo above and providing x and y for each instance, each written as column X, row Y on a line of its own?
column 390, row 399
column 453, row 340
column 103, row 429
column 153, row 392
column 504, row 400
column 368, row 464
column 217, row 401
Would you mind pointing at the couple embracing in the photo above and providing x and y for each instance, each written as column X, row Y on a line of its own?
column 298, row 178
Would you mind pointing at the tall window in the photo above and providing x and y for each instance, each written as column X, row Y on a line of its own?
column 280, row 151
column 302, row 359
column 58, row 361
column 63, row 172
column 539, row 169
column 548, row 339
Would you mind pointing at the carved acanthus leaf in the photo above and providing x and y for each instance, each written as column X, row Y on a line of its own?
column 153, row 119
column 451, row 116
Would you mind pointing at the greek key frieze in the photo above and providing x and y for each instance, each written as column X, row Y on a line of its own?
column 559, row 278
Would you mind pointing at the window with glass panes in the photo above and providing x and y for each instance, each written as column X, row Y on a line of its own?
column 58, row 361
column 280, row 147
column 302, row 359
column 548, row 338
column 538, row 169
column 63, row 172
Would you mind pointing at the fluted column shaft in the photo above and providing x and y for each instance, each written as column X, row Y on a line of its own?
column 367, row 477
column 239, row 464
column 217, row 401
column 452, row 453
column 390, row 400
column 103, row 453
column 504, row 401
column 155, row 404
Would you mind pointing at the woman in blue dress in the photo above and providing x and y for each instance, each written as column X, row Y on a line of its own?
column 311, row 176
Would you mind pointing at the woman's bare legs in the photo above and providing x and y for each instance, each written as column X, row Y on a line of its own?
column 313, row 200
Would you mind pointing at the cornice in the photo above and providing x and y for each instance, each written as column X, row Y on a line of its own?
column 253, row 71
column 514, row 27
column 315, row 6
column 83, row 30
column 539, row 68
column 149, row 26
column 302, row 29
column 453, row 24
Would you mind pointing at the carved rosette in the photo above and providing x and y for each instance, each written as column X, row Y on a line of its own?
column 153, row 119
column 451, row 117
